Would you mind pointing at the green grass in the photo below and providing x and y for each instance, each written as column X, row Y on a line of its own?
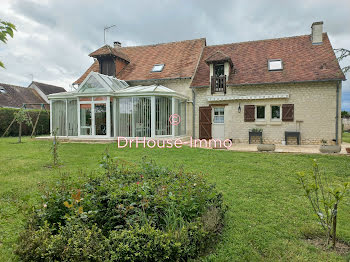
column 346, row 137
column 267, row 215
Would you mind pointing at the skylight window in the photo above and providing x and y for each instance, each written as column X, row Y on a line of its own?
column 275, row 65
column 158, row 68
column 2, row 90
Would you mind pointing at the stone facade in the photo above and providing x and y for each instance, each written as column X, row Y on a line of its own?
column 314, row 111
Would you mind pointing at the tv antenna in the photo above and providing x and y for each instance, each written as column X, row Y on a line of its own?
column 104, row 32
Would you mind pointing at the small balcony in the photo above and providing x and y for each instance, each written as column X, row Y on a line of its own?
column 218, row 84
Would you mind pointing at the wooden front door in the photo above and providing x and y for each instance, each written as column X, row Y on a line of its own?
column 205, row 122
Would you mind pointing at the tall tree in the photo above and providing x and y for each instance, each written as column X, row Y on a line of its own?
column 6, row 29
column 343, row 53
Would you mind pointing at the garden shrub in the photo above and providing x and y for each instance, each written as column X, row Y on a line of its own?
column 144, row 213
column 7, row 115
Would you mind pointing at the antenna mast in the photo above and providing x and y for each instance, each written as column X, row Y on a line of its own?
column 104, row 32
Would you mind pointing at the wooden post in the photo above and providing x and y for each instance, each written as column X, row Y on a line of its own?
column 335, row 224
column 8, row 128
column 36, row 122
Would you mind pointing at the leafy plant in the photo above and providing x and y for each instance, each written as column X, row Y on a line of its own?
column 6, row 29
column 143, row 213
column 257, row 130
column 324, row 198
column 22, row 117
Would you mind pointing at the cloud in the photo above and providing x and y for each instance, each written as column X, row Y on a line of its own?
column 55, row 37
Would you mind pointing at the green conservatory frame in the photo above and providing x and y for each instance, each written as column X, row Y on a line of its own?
column 106, row 107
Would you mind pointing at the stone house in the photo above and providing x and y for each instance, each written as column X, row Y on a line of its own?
column 285, row 90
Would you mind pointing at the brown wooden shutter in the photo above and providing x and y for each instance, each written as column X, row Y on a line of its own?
column 205, row 122
column 287, row 112
column 249, row 113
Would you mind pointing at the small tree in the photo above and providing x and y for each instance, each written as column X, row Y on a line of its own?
column 324, row 199
column 6, row 28
column 54, row 149
column 20, row 117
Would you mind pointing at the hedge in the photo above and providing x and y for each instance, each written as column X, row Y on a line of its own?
column 7, row 115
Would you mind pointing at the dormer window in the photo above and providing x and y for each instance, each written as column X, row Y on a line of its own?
column 158, row 68
column 219, row 70
column 275, row 65
column 107, row 65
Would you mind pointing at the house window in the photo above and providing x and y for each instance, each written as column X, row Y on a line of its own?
column 107, row 66
column 260, row 112
column 275, row 112
column 158, row 68
column 219, row 115
column 219, row 70
column 275, row 65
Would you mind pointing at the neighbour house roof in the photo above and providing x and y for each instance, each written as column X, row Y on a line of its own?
column 49, row 89
column 302, row 61
column 180, row 60
column 108, row 50
column 16, row 96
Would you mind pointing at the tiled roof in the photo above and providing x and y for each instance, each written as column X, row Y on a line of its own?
column 218, row 56
column 16, row 96
column 302, row 61
column 180, row 60
column 108, row 50
column 49, row 89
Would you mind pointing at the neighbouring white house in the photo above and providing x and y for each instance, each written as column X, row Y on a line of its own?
column 284, row 90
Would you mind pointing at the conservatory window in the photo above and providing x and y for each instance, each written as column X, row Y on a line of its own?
column 59, row 117
column 85, row 119
column 125, row 117
column 180, row 109
column 100, row 119
column 72, row 117
column 142, row 116
column 163, row 112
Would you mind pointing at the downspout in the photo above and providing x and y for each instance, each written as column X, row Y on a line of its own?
column 337, row 116
column 193, row 113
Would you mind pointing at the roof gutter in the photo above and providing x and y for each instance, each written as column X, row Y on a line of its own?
column 276, row 83
column 158, row 79
column 337, row 114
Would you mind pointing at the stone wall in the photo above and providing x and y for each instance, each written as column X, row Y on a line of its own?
column 314, row 111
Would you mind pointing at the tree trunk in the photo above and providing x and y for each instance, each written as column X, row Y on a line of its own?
column 335, row 224
column 20, row 132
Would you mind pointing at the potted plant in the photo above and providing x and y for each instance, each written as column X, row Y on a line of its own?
column 255, row 132
column 325, row 148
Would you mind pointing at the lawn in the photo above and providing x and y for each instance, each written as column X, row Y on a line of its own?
column 346, row 137
column 268, row 214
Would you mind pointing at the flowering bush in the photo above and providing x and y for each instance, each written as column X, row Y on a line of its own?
column 145, row 213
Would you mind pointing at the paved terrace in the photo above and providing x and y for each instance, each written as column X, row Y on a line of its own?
column 240, row 147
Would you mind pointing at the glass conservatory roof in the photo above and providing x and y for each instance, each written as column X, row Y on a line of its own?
column 98, row 84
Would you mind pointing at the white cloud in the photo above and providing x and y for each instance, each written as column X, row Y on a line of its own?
column 55, row 37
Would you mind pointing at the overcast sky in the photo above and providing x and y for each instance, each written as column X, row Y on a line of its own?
column 54, row 37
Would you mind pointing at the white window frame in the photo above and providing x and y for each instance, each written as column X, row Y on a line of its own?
column 274, row 60
column 161, row 66
column 223, row 110
column 108, row 116
column 276, row 119
column 256, row 113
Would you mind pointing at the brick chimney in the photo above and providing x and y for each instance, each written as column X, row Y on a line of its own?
column 316, row 33
column 117, row 44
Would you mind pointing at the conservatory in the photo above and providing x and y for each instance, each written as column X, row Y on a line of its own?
column 106, row 107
